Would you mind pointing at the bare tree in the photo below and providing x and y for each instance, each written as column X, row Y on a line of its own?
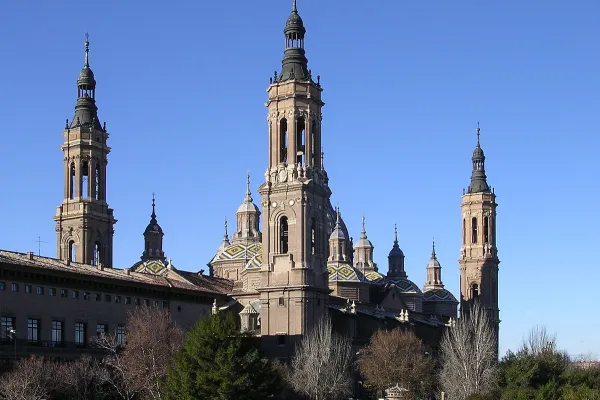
column 153, row 339
column 469, row 360
column 538, row 341
column 321, row 367
column 140, row 367
column 397, row 357
column 81, row 379
column 31, row 379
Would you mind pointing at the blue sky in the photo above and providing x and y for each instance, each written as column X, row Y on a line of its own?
column 182, row 85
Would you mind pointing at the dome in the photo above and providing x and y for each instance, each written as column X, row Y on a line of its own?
column 396, row 251
column 434, row 263
column 86, row 77
column 240, row 251
column 294, row 23
column 478, row 152
column 337, row 234
column 153, row 227
column 405, row 285
column 439, row 295
column 248, row 207
column 344, row 273
column 374, row 277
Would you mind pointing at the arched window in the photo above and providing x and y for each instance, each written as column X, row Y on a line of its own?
column 96, row 256
column 72, row 181
column 97, row 193
column 283, row 235
column 474, row 230
column 72, row 251
column 474, row 291
column 85, row 173
column 313, row 143
column 300, row 141
column 464, row 231
column 313, row 236
column 486, row 230
column 283, row 141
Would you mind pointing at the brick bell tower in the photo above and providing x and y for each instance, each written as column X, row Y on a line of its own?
column 295, row 200
column 479, row 255
column 84, row 221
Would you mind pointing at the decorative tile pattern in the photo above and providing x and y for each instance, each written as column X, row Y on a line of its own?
column 405, row 285
column 240, row 251
column 344, row 273
column 439, row 295
column 154, row 267
column 374, row 277
column 255, row 263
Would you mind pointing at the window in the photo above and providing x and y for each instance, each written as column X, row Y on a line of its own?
column 313, row 143
column 474, row 230
column 33, row 330
column 120, row 335
column 27, row 288
column 101, row 329
column 80, row 328
column 281, row 301
column 127, row 300
column 75, row 294
column 313, row 236
column 85, row 184
column 300, row 140
column 147, row 302
column 14, row 287
column 137, row 301
column 155, row 303
column 97, row 182
column 97, row 259
column 283, row 235
column 57, row 332
column 107, row 297
column 118, row 299
column 2, row 286
column 52, row 291
column 7, row 324
column 475, row 291
column 86, row 295
column 64, row 293
column 283, row 139
column 281, row 340
column 165, row 304
column 72, row 251
column 98, row 297
column 40, row 290
column 486, row 230
column 464, row 231
column 72, row 181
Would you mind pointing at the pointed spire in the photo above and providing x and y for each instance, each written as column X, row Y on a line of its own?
column 153, row 216
column 248, row 198
column 294, row 8
column 226, row 235
column 434, row 272
column 433, row 251
column 363, row 233
column 87, row 50
column 294, row 65
column 478, row 177
column 395, row 234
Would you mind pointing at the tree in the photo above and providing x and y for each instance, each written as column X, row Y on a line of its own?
column 82, row 379
column 321, row 367
column 469, row 361
column 31, row 379
column 219, row 362
column 397, row 357
column 139, row 368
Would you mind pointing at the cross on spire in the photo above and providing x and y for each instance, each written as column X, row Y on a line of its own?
column 395, row 234
column 87, row 49
column 153, row 206
column 478, row 133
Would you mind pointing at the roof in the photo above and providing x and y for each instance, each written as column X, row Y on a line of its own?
column 178, row 279
column 239, row 251
column 439, row 295
column 405, row 285
column 344, row 273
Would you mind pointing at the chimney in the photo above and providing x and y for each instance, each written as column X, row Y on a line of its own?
column 128, row 271
column 68, row 262
column 30, row 255
column 100, row 267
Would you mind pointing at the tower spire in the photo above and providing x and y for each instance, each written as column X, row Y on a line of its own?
column 294, row 63
column 433, row 250
column 294, row 8
column 434, row 272
column 248, row 198
column 478, row 177
column 86, row 111
column 153, row 216
column 87, row 50
column 363, row 232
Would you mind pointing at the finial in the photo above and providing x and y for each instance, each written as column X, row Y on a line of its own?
column 248, row 198
column 153, row 206
column 66, row 123
column 433, row 249
column 226, row 235
column 337, row 215
column 395, row 234
column 322, row 159
column 478, row 133
column 294, row 8
column 363, row 233
column 87, row 49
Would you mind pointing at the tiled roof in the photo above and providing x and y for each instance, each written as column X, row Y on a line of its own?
column 177, row 279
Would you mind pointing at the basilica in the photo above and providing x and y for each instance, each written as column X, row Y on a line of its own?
column 286, row 262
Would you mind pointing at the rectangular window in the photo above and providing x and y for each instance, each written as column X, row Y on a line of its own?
column 14, row 287
column 107, row 298
column 101, row 329
column 127, row 300
column 120, row 335
column 281, row 340
column 57, row 333
column 52, row 291
column 155, row 303
column 118, row 299
column 27, row 288
column 75, row 294
column 137, row 301
column 80, row 333
column 33, row 330
column 86, row 295
column 165, row 304
column 2, row 286
column 98, row 297
column 40, row 290
column 147, row 302
column 7, row 324
column 64, row 293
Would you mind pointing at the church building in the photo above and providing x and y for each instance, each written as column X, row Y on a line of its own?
column 280, row 276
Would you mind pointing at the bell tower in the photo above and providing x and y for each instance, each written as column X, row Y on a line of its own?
column 479, row 254
column 84, row 222
column 295, row 199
